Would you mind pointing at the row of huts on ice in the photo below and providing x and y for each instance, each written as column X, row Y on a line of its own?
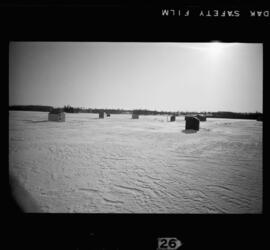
column 58, row 115
column 192, row 121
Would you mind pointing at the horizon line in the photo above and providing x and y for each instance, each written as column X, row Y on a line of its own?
column 192, row 111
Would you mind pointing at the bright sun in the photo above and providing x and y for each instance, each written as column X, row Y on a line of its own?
column 215, row 48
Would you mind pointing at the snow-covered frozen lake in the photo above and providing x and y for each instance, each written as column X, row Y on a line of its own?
column 149, row 165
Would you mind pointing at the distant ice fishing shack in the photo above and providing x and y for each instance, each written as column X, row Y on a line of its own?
column 57, row 115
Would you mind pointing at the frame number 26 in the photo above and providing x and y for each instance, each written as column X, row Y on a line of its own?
column 168, row 243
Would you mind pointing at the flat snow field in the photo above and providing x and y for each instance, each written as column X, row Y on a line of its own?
column 149, row 165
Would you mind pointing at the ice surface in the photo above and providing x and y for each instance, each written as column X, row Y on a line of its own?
column 149, row 165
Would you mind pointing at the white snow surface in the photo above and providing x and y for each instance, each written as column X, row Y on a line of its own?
column 149, row 165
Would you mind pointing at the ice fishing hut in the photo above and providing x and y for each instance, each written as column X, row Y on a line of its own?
column 192, row 122
column 135, row 116
column 260, row 118
column 172, row 118
column 57, row 115
column 202, row 118
column 101, row 115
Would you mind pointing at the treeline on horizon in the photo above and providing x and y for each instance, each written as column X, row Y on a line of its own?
column 70, row 109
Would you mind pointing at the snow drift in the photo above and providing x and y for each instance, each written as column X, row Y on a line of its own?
column 149, row 165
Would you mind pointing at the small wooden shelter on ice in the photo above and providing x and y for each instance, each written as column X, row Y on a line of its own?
column 135, row 116
column 172, row 118
column 260, row 118
column 202, row 118
column 101, row 115
column 57, row 115
column 192, row 122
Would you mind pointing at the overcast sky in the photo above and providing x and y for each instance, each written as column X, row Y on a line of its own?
column 156, row 76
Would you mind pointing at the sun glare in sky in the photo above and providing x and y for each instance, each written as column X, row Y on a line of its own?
column 215, row 48
column 210, row 76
